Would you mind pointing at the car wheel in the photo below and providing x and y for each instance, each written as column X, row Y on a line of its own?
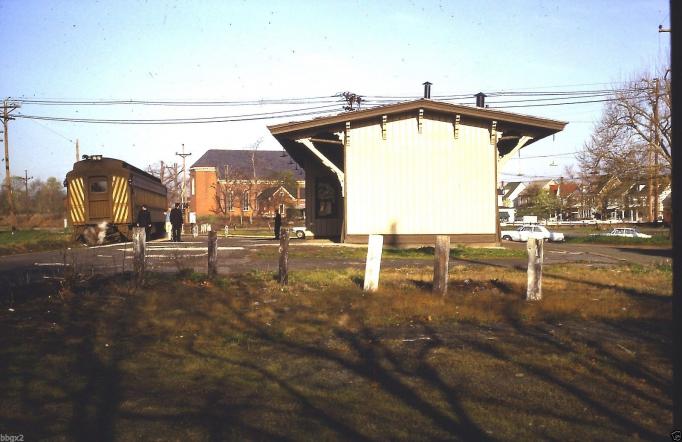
column 506, row 238
column 300, row 234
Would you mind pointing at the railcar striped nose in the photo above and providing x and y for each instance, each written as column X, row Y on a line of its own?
column 77, row 201
column 119, row 195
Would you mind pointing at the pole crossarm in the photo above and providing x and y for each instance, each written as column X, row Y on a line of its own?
column 184, row 171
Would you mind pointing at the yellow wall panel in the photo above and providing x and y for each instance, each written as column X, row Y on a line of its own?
column 76, row 201
column 120, row 199
column 420, row 183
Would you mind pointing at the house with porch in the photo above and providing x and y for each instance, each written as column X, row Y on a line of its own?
column 508, row 199
column 606, row 197
column 409, row 171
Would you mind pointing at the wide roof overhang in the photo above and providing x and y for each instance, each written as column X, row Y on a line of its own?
column 505, row 120
column 517, row 130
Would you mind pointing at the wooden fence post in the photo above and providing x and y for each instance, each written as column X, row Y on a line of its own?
column 284, row 256
column 440, row 266
column 139, row 245
column 535, row 250
column 373, row 265
column 212, row 254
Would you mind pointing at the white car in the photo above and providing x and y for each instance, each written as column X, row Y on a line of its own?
column 525, row 232
column 300, row 232
column 627, row 232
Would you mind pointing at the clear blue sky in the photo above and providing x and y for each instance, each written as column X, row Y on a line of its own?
column 243, row 50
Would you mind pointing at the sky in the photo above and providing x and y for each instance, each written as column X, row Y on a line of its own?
column 258, row 50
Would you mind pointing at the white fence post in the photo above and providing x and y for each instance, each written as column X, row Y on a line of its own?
column 373, row 265
column 535, row 250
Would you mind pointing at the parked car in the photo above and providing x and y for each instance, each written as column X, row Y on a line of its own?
column 300, row 232
column 627, row 232
column 525, row 232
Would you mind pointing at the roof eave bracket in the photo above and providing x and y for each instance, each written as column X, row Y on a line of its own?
column 325, row 161
column 505, row 158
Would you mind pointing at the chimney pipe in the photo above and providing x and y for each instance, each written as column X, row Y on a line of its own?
column 427, row 90
column 480, row 99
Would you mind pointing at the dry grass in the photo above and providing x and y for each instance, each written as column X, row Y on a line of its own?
column 244, row 359
column 23, row 241
column 422, row 253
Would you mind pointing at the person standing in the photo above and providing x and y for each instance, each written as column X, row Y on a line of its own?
column 176, row 222
column 278, row 223
column 144, row 219
column 168, row 226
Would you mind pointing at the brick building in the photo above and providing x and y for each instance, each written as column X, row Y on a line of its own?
column 246, row 183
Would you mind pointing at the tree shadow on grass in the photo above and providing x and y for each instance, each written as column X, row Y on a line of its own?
column 277, row 382
column 423, row 285
column 662, row 252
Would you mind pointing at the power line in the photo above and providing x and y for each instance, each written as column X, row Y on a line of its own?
column 555, row 104
column 537, row 99
column 249, row 117
column 574, row 92
column 328, row 99
column 531, row 176
column 52, row 130
column 546, row 156
column 188, row 120
column 574, row 84
column 102, row 102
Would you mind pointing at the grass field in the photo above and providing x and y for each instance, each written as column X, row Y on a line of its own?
column 241, row 358
column 23, row 241
column 415, row 253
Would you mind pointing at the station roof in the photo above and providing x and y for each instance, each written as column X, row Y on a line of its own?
column 528, row 125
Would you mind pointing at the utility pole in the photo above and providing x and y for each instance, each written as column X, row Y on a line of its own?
column 26, row 179
column 656, row 147
column 561, row 199
column 7, row 107
column 78, row 151
column 184, row 174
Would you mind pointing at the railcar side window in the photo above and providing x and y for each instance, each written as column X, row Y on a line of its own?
column 98, row 185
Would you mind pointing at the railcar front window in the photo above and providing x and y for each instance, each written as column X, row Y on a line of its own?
column 98, row 185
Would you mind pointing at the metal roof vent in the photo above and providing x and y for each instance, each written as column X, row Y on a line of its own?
column 427, row 90
column 480, row 99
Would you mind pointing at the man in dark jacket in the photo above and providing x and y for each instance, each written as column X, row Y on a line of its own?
column 176, row 221
column 278, row 223
column 144, row 219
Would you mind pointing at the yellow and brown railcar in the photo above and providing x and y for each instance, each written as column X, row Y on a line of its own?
column 106, row 194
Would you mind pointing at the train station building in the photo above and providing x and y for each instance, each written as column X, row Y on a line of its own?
column 409, row 171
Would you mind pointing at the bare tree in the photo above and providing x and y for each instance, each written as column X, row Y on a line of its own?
column 231, row 186
column 170, row 176
column 633, row 139
column 254, row 148
column 634, row 125
column 235, row 184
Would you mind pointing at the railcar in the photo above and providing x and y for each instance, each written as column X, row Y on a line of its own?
column 104, row 196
